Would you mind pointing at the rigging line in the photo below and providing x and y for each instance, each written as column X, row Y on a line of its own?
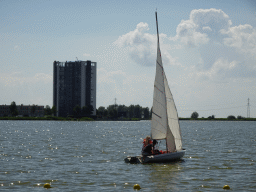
column 159, row 64
column 213, row 109
column 156, row 115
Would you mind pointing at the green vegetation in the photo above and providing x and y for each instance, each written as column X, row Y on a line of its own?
column 47, row 110
column 218, row 119
column 112, row 112
column 194, row 115
column 54, row 110
column 13, row 109
column 86, row 111
column 124, row 113
column 48, row 118
column 231, row 117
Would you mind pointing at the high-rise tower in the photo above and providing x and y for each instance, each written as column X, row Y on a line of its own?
column 74, row 83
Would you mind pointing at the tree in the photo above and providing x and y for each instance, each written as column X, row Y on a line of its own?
column 137, row 111
column 131, row 111
column 194, row 115
column 13, row 109
column 77, row 111
column 105, row 113
column 85, row 111
column 122, row 111
column 54, row 110
column 146, row 113
column 231, row 117
column 101, row 110
column 47, row 110
column 113, row 113
column 240, row 117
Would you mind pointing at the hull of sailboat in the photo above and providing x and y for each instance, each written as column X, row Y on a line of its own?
column 167, row 157
column 160, row 158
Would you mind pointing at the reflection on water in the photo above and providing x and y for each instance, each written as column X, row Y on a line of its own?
column 89, row 156
column 165, row 176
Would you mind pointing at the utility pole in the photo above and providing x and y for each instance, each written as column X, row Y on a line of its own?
column 248, row 108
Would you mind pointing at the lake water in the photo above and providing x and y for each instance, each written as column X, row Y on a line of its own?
column 89, row 156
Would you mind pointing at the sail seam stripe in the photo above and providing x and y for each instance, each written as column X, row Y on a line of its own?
column 158, row 129
column 158, row 89
column 159, row 84
column 160, row 103
column 160, row 124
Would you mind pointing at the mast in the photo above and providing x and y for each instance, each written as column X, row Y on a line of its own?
column 157, row 31
column 158, row 49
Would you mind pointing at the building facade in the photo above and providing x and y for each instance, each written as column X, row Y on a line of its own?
column 74, row 83
column 23, row 110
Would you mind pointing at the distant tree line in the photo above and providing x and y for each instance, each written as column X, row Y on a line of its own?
column 113, row 112
column 123, row 112
column 195, row 115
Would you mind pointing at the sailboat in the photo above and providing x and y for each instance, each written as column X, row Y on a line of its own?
column 165, row 121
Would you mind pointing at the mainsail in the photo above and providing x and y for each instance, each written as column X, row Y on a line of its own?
column 165, row 122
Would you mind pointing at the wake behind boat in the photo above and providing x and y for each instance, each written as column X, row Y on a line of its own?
column 165, row 122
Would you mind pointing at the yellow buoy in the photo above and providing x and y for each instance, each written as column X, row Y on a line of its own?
column 47, row 185
column 136, row 186
column 226, row 187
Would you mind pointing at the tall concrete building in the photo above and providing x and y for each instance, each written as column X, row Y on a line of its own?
column 74, row 83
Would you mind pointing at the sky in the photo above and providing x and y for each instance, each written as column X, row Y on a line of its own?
column 208, row 51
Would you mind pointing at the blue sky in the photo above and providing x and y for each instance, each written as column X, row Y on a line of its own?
column 208, row 50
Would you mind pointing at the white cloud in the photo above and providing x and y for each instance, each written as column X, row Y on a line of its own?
column 215, row 19
column 187, row 34
column 226, row 52
column 26, row 89
column 202, row 25
column 18, row 78
column 207, row 28
column 125, row 87
column 142, row 46
column 16, row 48
column 242, row 37
column 216, row 49
column 86, row 55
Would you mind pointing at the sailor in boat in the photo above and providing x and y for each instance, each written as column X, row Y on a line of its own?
column 146, row 141
column 149, row 149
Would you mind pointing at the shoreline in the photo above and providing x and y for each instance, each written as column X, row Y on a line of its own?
column 52, row 118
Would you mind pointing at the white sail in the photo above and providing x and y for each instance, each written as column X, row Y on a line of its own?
column 165, row 122
column 159, row 115
column 173, row 121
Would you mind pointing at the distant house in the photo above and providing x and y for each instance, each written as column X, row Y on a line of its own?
column 23, row 110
